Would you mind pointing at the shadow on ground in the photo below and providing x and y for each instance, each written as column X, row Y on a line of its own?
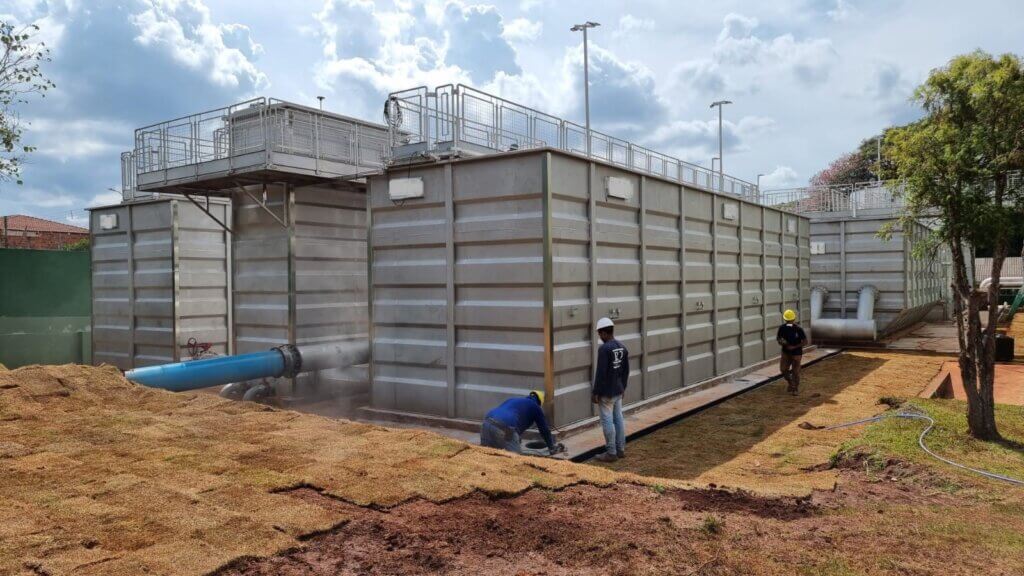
column 754, row 441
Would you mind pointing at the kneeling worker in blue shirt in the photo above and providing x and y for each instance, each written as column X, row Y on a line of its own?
column 504, row 425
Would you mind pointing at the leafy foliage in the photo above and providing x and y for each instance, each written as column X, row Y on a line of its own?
column 955, row 164
column 20, row 78
column 853, row 167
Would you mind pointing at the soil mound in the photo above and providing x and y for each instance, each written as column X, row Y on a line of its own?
column 101, row 476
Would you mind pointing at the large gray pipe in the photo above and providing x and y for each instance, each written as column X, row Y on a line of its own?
column 862, row 328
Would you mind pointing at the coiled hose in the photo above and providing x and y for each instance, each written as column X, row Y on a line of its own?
column 918, row 414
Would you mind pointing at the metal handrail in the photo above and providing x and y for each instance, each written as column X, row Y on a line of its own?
column 427, row 119
column 259, row 125
column 872, row 195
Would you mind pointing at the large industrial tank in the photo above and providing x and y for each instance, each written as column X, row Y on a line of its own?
column 160, row 277
column 488, row 274
column 300, row 278
column 848, row 256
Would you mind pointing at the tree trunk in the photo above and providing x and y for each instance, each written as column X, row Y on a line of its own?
column 976, row 365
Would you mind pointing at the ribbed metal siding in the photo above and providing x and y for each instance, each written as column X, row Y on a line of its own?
column 509, row 211
column 300, row 276
column 458, row 308
column 855, row 256
column 159, row 279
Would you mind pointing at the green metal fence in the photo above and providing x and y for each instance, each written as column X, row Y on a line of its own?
column 45, row 307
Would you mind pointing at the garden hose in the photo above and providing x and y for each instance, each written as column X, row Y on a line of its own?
column 921, row 415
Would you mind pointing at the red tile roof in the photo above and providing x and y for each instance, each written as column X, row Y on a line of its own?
column 33, row 224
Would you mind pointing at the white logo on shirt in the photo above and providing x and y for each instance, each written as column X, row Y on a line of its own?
column 617, row 356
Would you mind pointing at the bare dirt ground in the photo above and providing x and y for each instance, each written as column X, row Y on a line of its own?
column 100, row 476
column 869, row 526
column 809, row 508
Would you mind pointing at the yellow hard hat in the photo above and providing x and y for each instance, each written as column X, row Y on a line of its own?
column 789, row 315
column 539, row 394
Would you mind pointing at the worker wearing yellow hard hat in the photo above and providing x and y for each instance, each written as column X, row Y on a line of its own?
column 503, row 426
column 792, row 339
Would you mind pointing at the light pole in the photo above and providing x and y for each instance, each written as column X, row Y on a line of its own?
column 321, row 99
column 878, row 158
column 586, row 74
column 721, row 171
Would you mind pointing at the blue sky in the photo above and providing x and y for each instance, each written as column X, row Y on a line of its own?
column 809, row 78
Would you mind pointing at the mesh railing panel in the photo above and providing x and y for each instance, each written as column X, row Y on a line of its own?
column 469, row 116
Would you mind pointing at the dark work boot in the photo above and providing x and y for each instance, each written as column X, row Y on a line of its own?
column 607, row 457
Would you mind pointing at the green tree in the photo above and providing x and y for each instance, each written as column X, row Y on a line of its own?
column 20, row 78
column 955, row 163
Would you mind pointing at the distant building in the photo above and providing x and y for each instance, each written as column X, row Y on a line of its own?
column 19, row 231
column 1012, row 267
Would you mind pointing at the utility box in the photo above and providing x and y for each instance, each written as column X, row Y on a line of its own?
column 490, row 284
column 160, row 278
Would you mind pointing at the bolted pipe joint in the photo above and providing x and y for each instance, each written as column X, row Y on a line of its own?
column 866, row 297
column 819, row 295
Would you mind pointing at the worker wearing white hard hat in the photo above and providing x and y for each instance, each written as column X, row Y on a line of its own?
column 610, row 380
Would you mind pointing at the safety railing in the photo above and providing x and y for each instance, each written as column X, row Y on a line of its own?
column 260, row 125
column 459, row 117
column 839, row 198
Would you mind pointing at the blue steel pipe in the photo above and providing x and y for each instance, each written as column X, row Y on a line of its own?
column 183, row 376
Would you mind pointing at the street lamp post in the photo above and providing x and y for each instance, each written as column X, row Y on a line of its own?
column 586, row 74
column 721, row 170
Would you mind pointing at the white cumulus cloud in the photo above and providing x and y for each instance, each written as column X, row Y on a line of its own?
column 521, row 30
column 780, row 177
column 809, row 61
column 186, row 30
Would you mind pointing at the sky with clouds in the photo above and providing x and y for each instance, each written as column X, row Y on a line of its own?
column 809, row 78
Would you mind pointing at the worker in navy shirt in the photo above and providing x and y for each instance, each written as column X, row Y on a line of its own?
column 610, row 380
column 503, row 426
column 792, row 339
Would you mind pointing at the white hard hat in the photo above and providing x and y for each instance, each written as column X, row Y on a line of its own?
column 605, row 323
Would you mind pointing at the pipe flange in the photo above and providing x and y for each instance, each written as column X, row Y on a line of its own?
column 868, row 287
column 821, row 289
column 292, row 360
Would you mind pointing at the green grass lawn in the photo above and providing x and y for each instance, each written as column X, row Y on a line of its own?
column 897, row 438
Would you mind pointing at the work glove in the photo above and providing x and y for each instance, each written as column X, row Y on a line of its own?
column 595, row 399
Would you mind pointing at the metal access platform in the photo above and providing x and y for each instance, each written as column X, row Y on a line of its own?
column 259, row 141
column 457, row 120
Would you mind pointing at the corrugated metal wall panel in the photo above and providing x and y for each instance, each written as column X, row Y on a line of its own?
column 698, row 301
column 856, row 256
column 754, row 345
column 608, row 256
column 302, row 280
column 260, row 248
column 111, row 290
column 159, row 278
